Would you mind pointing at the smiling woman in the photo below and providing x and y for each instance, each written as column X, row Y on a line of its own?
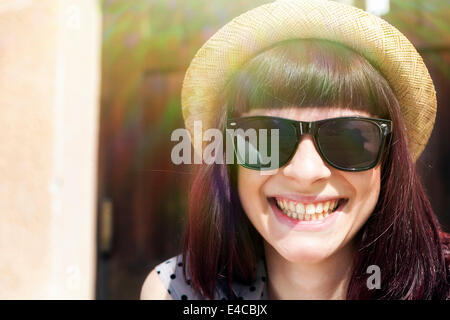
column 345, row 198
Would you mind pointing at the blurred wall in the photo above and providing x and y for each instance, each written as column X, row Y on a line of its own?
column 49, row 84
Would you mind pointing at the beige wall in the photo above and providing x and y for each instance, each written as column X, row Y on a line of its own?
column 49, row 83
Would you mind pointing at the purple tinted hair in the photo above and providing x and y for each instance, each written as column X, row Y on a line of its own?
column 402, row 235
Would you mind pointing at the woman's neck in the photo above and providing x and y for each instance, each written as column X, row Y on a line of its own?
column 325, row 280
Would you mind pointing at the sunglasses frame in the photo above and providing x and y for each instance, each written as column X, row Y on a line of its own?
column 312, row 127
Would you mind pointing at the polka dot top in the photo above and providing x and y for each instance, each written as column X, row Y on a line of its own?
column 171, row 274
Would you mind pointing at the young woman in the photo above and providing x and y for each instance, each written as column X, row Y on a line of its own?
column 343, row 215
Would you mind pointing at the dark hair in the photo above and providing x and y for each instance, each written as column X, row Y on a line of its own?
column 402, row 235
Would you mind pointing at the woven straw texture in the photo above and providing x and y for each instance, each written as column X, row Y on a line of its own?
column 380, row 43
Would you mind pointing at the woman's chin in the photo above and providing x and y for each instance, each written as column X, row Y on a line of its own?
column 305, row 253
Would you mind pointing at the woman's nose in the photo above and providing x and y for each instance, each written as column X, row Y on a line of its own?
column 306, row 166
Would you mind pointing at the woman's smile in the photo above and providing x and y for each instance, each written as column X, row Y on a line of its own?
column 307, row 216
column 307, row 211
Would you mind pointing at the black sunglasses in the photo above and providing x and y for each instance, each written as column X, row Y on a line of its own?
column 345, row 143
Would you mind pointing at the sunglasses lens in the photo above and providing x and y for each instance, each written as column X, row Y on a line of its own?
column 352, row 144
column 259, row 141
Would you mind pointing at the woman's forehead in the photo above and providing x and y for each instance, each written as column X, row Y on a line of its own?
column 308, row 113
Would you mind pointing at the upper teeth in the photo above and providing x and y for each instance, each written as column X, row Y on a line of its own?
column 292, row 207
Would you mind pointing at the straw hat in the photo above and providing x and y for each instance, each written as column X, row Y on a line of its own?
column 380, row 43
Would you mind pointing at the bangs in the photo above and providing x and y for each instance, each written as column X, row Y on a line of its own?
column 308, row 73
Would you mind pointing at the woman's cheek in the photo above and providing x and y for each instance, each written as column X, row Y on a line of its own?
column 367, row 184
column 250, row 188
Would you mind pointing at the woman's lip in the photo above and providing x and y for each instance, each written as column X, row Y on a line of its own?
column 307, row 199
column 302, row 225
